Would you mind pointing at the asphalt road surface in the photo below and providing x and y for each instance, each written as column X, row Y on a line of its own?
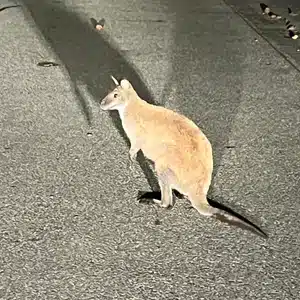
column 70, row 223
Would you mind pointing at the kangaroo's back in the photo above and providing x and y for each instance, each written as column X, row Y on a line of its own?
column 168, row 137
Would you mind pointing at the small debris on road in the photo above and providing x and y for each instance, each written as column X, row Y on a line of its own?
column 291, row 28
column 47, row 64
column 267, row 11
column 289, row 25
column 10, row 6
column 293, row 34
column 99, row 25
column 157, row 222
column 291, row 13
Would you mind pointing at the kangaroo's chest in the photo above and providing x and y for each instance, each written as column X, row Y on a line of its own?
column 128, row 123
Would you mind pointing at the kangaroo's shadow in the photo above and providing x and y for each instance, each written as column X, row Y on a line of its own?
column 202, row 78
column 147, row 198
column 89, row 58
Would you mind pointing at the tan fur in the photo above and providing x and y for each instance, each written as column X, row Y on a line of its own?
column 179, row 149
column 181, row 152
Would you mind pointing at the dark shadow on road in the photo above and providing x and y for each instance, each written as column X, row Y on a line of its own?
column 147, row 198
column 89, row 58
column 205, row 71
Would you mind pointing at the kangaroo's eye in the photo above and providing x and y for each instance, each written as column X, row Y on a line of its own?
column 115, row 95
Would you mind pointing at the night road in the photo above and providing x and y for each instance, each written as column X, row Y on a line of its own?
column 71, row 226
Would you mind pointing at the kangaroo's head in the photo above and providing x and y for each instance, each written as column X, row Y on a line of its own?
column 120, row 96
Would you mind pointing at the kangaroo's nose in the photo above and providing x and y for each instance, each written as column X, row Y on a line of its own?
column 103, row 103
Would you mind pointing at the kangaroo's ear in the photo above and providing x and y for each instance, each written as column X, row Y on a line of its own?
column 125, row 84
column 114, row 80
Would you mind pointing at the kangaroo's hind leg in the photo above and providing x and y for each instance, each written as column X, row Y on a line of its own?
column 165, row 188
column 164, row 198
column 166, row 195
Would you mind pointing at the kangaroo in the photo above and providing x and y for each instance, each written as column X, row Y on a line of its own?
column 181, row 153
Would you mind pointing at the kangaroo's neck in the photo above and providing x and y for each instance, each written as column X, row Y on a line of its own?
column 121, row 109
column 129, row 106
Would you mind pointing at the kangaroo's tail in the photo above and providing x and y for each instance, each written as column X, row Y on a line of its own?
column 227, row 215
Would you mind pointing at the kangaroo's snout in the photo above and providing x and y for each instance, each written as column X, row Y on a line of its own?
column 103, row 103
column 107, row 103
